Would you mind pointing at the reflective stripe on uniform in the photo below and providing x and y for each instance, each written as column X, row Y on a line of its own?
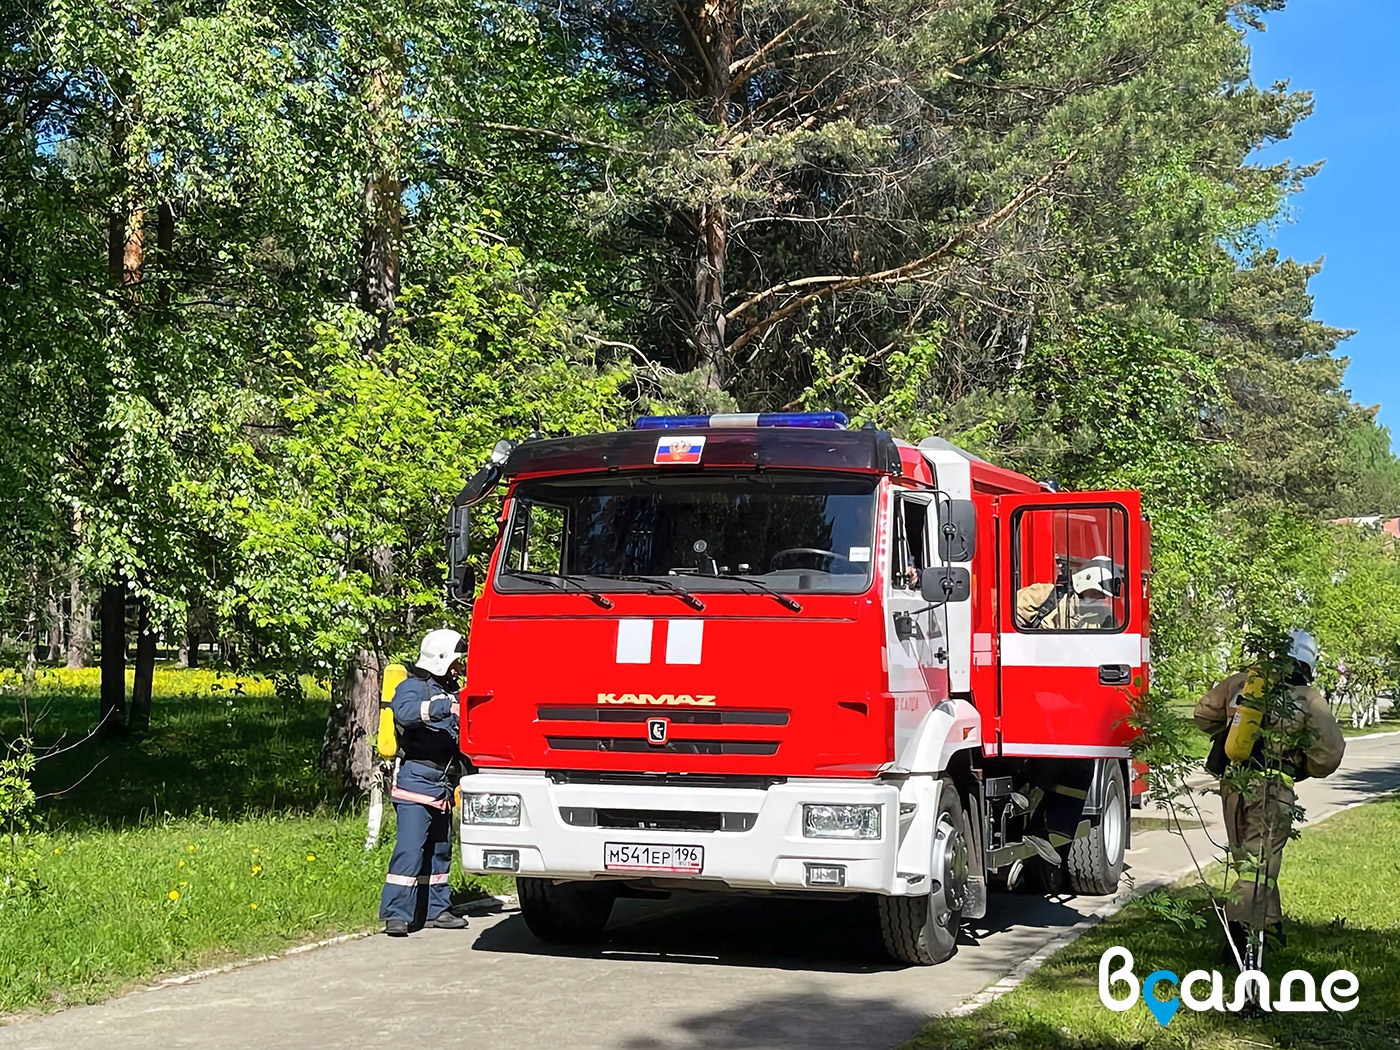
column 401, row 880
column 399, row 794
column 425, row 710
column 438, row 877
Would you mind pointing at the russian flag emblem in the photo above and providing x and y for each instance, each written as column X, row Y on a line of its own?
column 672, row 449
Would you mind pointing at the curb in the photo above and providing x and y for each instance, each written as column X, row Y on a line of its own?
column 1033, row 962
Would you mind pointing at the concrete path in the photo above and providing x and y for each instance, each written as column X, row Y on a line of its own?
column 703, row 974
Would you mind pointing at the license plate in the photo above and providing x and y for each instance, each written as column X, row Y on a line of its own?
column 631, row 856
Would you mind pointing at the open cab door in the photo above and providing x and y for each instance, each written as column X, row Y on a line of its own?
column 1071, row 620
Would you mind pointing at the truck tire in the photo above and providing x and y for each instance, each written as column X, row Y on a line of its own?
column 924, row 930
column 1095, row 862
column 565, row 912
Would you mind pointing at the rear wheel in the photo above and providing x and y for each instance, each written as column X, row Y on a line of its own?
column 565, row 912
column 1095, row 862
column 924, row 930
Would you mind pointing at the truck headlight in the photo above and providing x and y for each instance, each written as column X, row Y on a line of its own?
column 491, row 808
column 840, row 822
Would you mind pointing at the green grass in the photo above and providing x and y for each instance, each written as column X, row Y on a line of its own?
column 213, row 837
column 1339, row 892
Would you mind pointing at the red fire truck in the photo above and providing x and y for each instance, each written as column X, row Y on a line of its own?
column 772, row 654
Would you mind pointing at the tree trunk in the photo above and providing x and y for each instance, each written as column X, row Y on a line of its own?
column 144, row 676
column 54, row 613
column 79, row 624
column 383, row 195
column 31, row 629
column 112, row 699
column 718, row 22
column 353, row 719
column 126, row 242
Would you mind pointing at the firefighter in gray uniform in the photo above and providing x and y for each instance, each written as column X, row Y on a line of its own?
column 426, row 725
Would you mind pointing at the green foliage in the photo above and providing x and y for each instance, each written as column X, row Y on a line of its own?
column 340, row 531
column 18, row 874
column 1370, row 481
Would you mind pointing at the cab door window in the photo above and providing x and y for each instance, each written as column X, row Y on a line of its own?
column 910, row 549
column 1069, row 568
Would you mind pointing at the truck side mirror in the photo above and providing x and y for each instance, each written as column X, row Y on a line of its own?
column 461, row 577
column 939, row 584
column 461, row 585
column 957, row 530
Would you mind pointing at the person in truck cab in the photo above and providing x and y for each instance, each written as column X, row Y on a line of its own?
column 1085, row 604
column 1305, row 741
column 426, row 725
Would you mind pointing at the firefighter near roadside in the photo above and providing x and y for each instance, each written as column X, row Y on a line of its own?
column 1270, row 728
column 423, row 738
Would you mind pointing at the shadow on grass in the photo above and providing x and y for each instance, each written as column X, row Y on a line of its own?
column 222, row 755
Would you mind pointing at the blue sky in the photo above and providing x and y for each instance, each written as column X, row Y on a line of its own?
column 1345, row 51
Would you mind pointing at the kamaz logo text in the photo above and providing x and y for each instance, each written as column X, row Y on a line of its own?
column 657, row 699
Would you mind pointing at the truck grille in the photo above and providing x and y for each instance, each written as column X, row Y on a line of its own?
column 627, row 778
column 679, row 716
column 673, row 747
column 656, row 819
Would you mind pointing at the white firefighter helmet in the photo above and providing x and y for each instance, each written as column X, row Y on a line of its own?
column 1303, row 647
column 1098, row 575
column 440, row 649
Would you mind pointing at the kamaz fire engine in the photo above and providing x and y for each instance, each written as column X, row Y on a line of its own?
column 771, row 654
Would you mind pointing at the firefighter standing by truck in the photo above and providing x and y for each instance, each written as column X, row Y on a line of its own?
column 1304, row 741
column 425, row 723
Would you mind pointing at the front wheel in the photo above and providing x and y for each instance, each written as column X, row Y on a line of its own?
column 924, row 930
column 565, row 912
column 1095, row 862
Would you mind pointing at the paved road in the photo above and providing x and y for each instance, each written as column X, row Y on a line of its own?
column 705, row 974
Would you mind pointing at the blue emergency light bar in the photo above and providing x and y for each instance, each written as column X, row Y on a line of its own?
column 812, row 420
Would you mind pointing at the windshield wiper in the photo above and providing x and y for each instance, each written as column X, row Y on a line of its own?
column 670, row 588
column 554, row 578
column 783, row 599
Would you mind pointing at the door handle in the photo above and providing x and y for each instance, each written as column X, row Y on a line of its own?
column 1115, row 674
column 906, row 628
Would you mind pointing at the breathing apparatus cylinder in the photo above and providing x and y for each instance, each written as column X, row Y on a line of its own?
column 1248, row 718
column 387, row 742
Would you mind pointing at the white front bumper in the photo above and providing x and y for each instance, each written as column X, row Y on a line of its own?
column 772, row 854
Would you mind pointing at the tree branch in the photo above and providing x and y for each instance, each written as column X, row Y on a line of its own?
column 1005, row 38
column 740, row 71
column 824, row 287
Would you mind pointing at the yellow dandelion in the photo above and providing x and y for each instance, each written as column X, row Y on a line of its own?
column 180, row 865
column 254, row 906
column 191, row 847
column 173, row 895
column 257, row 869
column 311, row 856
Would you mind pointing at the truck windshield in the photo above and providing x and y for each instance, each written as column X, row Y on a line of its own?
column 810, row 532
